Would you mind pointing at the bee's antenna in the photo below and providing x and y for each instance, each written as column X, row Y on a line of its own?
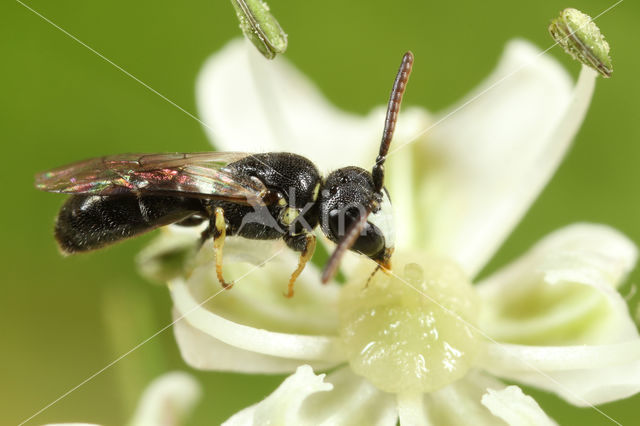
column 355, row 230
column 395, row 100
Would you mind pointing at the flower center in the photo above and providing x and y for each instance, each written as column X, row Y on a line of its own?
column 412, row 331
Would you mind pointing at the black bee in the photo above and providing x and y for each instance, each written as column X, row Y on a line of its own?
column 256, row 196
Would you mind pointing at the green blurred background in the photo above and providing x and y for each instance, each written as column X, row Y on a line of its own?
column 63, row 319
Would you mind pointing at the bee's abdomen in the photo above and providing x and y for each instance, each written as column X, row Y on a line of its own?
column 89, row 222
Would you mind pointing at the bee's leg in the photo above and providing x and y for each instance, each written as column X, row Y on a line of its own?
column 306, row 245
column 218, row 229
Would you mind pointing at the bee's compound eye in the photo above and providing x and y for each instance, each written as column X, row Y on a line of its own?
column 340, row 220
column 369, row 243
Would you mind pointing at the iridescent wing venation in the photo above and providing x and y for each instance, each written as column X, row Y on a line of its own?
column 202, row 175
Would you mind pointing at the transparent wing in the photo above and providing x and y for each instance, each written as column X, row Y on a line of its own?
column 202, row 175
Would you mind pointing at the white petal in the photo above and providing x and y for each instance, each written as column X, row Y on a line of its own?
column 353, row 401
column 204, row 352
column 251, row 104
column 463, row 402
column 482, row 163
column 283, row 405
column 515, row 408
column 582, row 375
column 288, row 345
column 460, row 401
column 412, row 410
column 167, row 400
column 307, row 399
column 254, row 315
column 563, row 291
column 262, row 270
column 510, row 357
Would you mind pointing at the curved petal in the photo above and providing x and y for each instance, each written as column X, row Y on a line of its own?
column 353, row 401
column 457, row 404
column 515, row 408
column 262, row 270
column 563, row 291
column 499, row 356
column 483, row 162
column 167, row 400
column 204, row 352
column 254, row 315
column 284, row 404
column 582, row 375
column 251, row 104
column 306, row 399
column 460, row 401
column 287, row 345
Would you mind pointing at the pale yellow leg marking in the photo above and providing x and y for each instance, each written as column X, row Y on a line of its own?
column 305, row 256
column 218, row 244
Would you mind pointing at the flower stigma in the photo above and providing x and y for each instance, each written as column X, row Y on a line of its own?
column 412, row 332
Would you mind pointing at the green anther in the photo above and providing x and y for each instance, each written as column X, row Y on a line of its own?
column 259, row 26
column 581, row 38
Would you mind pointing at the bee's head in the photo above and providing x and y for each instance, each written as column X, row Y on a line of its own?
column 354, row 205
column 346, row 195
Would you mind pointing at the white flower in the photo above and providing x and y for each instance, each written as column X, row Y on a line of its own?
column 424, row 344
